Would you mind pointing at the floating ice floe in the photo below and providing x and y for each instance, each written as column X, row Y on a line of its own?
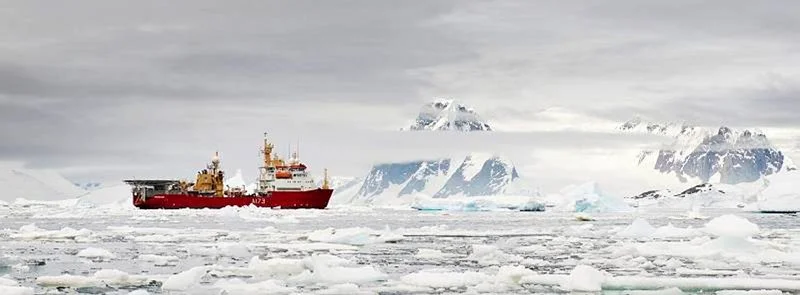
column 492, row 255
column 16, row 290
column 32, row 232
column 640, row 228
column 12, row 287
column 159, row 260
column 101, row 278
column 278, row 273
column 435, row 278
column 733, row 242
column 354, row 236
column 8, row 282
column 96, row 254
column 432, row 254
column 487, row 203
column 254, row 213
column 588, row 279
column 238, row 286
column 186, row 279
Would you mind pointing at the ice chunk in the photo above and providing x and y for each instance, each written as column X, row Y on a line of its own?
column 749, row 292
column 670, row 231
column 512, row 275
column 640, row 228
column 438, row 279
column 185, row 280
column 15, row 290
column 103, row 277
column 159, row 260
column 349, row 288
column 8, row 282
column 32, row 232
column 96, row 254
column 431, row 254
column 354, row 236
column 491, row 255
column 338, row 275
column 731, row 226
column 584, row 278
column 237, row 286
column 277, row 266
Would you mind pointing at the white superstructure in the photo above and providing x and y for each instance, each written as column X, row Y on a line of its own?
column 278, row 175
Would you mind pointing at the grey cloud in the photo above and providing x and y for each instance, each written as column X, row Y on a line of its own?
column 770, row 105
column 102, row 84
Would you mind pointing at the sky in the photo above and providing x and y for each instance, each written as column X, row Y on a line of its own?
column 106, row 90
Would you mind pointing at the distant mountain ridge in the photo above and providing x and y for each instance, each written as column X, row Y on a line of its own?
column 448, row 115
column 473, row 175
column 724, row 155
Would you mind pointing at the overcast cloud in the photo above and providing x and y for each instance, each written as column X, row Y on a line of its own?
column 104, row 90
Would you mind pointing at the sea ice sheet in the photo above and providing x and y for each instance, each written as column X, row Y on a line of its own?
column 63, row 248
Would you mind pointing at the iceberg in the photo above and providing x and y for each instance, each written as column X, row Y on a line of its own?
column 483, row 203
column 587, row 197
column 782, row 194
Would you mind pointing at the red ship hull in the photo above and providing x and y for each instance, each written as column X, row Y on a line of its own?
column 313, row 199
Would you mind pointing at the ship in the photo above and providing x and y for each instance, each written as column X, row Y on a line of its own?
column 284, row 184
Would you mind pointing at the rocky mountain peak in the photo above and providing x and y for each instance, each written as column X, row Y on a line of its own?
column 448, row 114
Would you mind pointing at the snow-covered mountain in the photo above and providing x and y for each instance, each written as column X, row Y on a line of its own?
column 705, row 195
column 344, row 188
column 32, row 184
column 447, row 114
column 473, row 175
column 721, row 155
column 89, row 186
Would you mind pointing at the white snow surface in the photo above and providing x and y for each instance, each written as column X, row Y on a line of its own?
column 782, row 193
column 114, row 195
column 34, row 184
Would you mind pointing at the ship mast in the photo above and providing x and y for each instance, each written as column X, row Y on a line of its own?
column 267, row 152
column 325, row 184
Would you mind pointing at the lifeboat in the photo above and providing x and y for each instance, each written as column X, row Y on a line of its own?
column 283, row 174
